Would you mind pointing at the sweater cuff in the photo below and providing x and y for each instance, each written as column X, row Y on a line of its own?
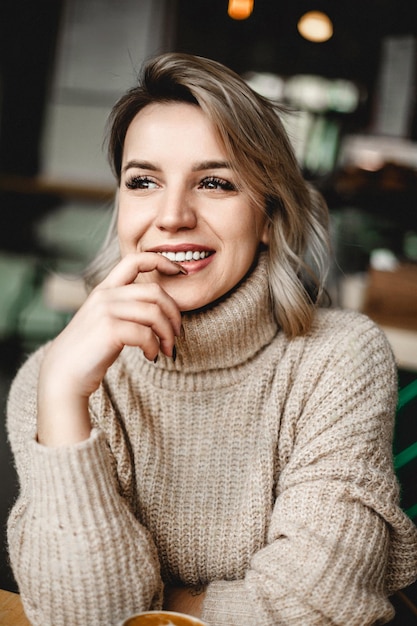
column 84, row 469
column 228, row 603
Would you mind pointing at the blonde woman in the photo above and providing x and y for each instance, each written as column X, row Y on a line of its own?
column 203, row 435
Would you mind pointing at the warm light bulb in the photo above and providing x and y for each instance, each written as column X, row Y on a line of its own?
column 315, row 26
column 240, row 9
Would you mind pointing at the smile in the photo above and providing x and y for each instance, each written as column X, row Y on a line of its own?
column 190, row 255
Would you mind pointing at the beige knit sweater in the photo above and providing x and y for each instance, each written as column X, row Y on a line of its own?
column 253, row 465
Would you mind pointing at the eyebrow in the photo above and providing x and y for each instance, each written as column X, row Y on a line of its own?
column 211, row 165
column 198, row 167
column 141, row 165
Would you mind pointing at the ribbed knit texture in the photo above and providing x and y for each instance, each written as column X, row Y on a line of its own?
column 256, row 466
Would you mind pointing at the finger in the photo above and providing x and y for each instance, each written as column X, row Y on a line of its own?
column 149, row 316
column 127, row 270
column 132, row 334
column 140, row 294
column 127, row 333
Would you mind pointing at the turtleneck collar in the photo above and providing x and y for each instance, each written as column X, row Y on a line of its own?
column 228, row 333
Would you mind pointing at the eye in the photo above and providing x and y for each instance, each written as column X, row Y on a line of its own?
column 216, row 184
column 141, row 182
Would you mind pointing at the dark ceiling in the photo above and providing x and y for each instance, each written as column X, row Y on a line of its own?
column 269, row 41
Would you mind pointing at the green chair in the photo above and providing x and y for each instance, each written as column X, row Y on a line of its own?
column 405, row 460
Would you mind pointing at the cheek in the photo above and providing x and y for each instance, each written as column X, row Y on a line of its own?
column 252, row 229
column 260, row 224
column 123, row 235
column 129, row 229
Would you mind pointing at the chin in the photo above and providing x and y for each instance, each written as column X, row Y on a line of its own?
column 190, row 305
column 195, row 305
column 190, row 302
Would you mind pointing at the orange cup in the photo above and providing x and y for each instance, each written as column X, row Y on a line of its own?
column 162, row 618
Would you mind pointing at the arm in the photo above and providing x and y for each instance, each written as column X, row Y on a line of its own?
column 78, row 553
column 337, row 538
column 118, row 312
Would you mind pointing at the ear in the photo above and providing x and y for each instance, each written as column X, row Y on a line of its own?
column 265, row 231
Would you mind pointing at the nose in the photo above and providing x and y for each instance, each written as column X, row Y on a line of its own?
column 176, row 210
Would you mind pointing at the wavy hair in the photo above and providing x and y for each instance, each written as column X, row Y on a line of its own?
column 260, row 152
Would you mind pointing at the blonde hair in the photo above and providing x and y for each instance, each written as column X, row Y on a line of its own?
column 260, row 152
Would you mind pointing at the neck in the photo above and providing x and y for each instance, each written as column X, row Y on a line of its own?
column 231, row 330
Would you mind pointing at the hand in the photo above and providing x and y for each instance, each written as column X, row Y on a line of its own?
column 118, row 312
column 183, row 600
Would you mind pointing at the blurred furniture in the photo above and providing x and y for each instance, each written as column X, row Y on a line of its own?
column 391, row 296
column 391, row 301
column 404, row 346
column 41, row 281
column 11, row 610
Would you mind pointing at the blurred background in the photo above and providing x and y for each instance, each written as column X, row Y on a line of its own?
column 349, row 79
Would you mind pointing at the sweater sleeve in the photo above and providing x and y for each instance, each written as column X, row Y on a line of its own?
column 78, row 553
column 338, row 544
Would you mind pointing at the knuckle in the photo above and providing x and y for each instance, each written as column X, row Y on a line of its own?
column 99, row 300
column 149, row 291
column 131, row 258
column 156, row 291
column 148, row 336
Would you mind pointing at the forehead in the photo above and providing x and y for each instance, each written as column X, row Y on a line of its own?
column 179, row 123
column 170, row 114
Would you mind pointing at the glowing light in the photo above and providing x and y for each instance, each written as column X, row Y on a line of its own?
column 315, row 26
column 240, row 9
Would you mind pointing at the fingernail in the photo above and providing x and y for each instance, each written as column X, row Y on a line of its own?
column 156, row 359
column 174, row 353
column 180, row 267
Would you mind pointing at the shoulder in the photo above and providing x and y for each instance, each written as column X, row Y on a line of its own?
column 345, row 350
column 342, row 320
column 22, row 399
column 344, row 379
column 338, row 338
column 349, row 331
column 27, row 375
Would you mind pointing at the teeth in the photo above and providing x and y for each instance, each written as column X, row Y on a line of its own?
column 185, row 256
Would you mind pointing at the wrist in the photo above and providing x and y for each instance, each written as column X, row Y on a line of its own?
column 187, row 600
column 63, row 417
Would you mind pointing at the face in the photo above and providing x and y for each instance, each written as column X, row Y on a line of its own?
column 179, row 197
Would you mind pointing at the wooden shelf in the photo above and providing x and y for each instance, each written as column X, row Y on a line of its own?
column 41, row 185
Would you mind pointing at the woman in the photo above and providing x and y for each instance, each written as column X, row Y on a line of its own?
column 202, row 436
